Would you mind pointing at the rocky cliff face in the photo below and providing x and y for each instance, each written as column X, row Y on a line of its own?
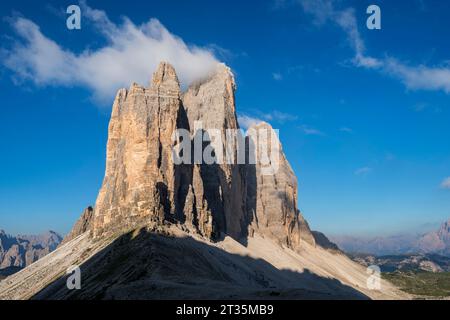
column 139, row 183
column 22, row 250
column 84, row 224
column 143, row 183
column 276, row 212
column 219, row 190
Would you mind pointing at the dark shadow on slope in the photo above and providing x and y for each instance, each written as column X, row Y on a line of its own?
column 147, row 265
column 322, row 240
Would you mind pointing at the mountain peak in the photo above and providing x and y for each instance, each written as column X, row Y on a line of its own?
column 165, row 77
column 444, row 231
column 211, row 200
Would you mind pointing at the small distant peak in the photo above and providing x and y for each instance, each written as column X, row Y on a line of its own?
column 165, row 76
column 445, row 227
column 53, row 233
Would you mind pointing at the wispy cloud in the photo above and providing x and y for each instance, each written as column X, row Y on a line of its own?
column 390, row 156
column 310, row 131
column 419, row 107
column 363, row 171
column 279, row 116
column 131, row 54
column 277, row 76
column 246, row 121
column 445, row 184
column 422, row 106
column 346, row 129
column 414, row 77
column 419, row 77
column 274, row 117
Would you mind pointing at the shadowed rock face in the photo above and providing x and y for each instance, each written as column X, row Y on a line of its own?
column 276, row 213
column 220, row 188
column 322, row 241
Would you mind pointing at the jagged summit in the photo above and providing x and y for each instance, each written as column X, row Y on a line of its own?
column 139, row 183
column 143, row 184
column 165, row 78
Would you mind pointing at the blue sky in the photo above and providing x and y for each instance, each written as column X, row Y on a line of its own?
column 363, row 114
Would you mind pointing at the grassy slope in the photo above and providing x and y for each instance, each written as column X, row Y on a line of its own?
column 421, row 283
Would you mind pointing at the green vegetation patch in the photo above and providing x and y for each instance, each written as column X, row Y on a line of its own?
column 421, row 282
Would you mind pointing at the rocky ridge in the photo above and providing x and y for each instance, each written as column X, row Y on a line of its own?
column 22, row 250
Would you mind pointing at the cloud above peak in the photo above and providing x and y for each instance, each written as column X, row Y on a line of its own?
column 246, row 121
column 131, row 54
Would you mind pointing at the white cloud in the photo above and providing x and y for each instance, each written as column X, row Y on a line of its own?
column 279, row 116
column 131, row 55
column 277, row 76
column 346, row 129
column 246, row 122
column 419, row 77
column 445, row 184
column 363, row 171
column 310, row 131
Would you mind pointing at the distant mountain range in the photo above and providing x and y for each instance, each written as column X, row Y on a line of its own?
column 407, row 262
column 17, row 252
column 434, row 242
